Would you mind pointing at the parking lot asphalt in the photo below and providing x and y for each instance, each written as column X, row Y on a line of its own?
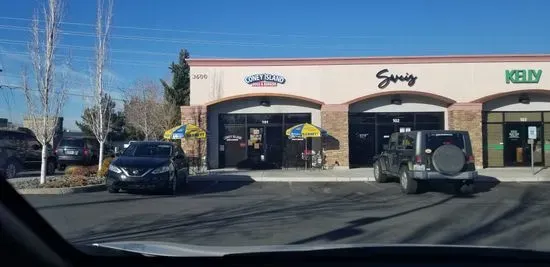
column 248, row 213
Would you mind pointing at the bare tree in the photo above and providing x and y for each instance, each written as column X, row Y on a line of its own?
column 101, row 111
column 165, row 114
column 144, row 103
column 45, row 103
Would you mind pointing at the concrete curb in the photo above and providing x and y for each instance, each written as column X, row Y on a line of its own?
column 62, row 191
column 221, row 178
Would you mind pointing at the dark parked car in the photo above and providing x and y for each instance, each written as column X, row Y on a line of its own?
column 77, row 151
column 149, row 165
column 419, row 156
column 20, row 151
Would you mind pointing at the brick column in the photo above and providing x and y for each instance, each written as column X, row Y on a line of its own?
column 194, row 115
column 334, row 119
column 467, row 117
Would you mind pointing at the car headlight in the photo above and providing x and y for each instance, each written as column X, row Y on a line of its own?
column 114, row 168
column 162, row 169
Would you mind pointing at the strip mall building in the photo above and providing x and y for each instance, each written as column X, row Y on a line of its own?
column 247, row 104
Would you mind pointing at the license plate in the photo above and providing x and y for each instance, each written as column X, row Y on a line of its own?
column 417, row 167
column 70, row 152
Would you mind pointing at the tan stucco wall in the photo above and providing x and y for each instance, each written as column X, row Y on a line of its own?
column 336, row 84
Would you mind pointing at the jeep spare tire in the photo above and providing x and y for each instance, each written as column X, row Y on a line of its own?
column 448, row 159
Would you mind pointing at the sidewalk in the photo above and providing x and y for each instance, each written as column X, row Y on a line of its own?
column 358, row 175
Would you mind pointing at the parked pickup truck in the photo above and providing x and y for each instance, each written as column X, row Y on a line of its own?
column 418, row 156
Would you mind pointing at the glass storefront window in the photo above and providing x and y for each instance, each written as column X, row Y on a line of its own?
column 522, row 116
column 506, row 141
column 493, row 117
column 369, row 132
column 293, row 119
column 232, row 118
column 249, row 139
column 362, row 118
column 394, row 117
column 429, row 117
column 264, row 118
column 232, row 144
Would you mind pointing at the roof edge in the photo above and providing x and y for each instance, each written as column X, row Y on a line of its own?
column 228, row 62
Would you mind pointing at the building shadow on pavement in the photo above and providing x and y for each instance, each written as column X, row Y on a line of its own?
column 250, row 218
column 222, row 183
column 353, row 227
column 193, row 188
column 262, row 221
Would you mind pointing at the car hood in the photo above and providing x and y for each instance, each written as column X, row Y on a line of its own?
column 139, row 162
column 169, row 249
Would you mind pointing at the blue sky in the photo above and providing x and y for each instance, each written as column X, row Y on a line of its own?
column 147, row 35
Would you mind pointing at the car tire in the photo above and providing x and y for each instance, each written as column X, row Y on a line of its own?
column 408, row 185
column 172, row 187
column 12, row 168
column 50, row 167
column 379, row 176
column 112, row 189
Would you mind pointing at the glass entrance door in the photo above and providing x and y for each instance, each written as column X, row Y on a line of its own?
column 517, row 150
column 274, row 145
column 362, row 136
column 256, row 144
column 265, row 146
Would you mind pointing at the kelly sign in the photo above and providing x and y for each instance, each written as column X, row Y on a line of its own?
column 523, row 76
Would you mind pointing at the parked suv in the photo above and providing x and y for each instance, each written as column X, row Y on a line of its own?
column 20, row 151
column 419, row 156
column 77, row 151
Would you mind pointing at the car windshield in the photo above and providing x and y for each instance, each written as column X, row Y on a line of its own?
column 72, row 142
column 281, row 122
column 435, row 140
column 148, row 150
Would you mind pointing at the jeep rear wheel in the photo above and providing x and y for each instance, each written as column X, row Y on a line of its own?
column 379, row 176
column 408, row 185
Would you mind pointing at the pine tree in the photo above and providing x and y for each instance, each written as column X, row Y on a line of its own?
column 177, row 94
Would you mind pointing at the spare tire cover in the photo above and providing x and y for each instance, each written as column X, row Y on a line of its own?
column 448, row 159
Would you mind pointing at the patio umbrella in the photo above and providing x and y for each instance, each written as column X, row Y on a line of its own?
column 185, row 131
column 305, row 130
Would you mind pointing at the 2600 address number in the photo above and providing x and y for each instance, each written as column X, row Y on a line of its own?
column 200, row 76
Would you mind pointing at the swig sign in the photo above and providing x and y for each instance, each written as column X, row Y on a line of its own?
column 264, row 80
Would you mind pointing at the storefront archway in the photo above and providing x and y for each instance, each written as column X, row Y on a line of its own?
column 264, row 95
column 248, row 130
column 507, row 118
column 373, row 118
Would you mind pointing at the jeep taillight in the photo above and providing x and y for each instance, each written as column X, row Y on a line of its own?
column 86, row 151
column 471, row 159
column 418, row 159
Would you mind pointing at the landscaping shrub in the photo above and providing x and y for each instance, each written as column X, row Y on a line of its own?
column 105, row 167
column 85, row 171
column 72, row 181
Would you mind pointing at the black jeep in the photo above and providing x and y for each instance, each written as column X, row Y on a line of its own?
column 418, row 156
